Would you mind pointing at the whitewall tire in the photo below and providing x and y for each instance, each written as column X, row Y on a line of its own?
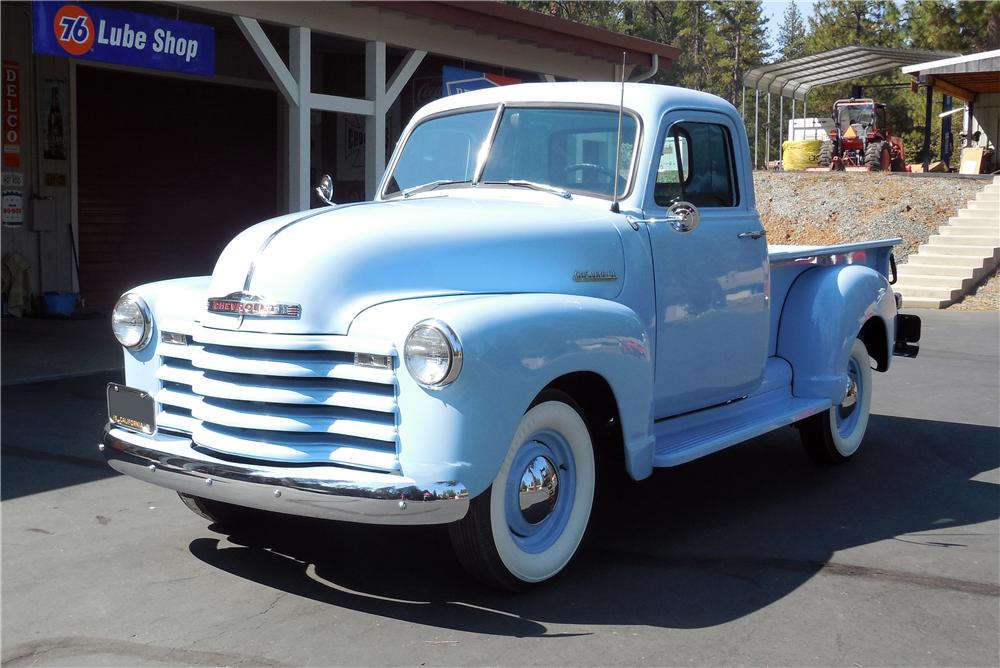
column 835, row 435
column 527, row 526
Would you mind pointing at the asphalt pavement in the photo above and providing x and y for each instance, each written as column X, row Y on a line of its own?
column 751, row 556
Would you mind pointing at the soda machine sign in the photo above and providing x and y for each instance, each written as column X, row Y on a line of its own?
column 455, row 80
column 98, row 33
column 11, row 114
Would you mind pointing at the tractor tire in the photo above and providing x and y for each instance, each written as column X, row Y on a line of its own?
column 873, row 156
column 825, row 154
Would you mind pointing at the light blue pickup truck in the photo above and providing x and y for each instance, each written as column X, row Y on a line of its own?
column 553, row 279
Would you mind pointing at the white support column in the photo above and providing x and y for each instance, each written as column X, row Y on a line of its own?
column 756, row 124
column 375, row 124
column 767, row 134
column 781, row 127
column 294, row 82
column 300, row 59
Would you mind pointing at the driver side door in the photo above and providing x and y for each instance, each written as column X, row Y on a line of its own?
column 711, row 297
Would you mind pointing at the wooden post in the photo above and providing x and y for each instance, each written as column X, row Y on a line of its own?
column 928, row 108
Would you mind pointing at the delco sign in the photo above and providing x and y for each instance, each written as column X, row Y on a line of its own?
column 111, row 36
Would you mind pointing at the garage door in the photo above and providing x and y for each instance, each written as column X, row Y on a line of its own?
column 169, row 171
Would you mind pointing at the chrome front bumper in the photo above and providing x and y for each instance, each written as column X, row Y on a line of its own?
column 326, row 492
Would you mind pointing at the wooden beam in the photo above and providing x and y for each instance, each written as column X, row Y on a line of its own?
column 402, row 74
column 269, row 57
column 300, row 59
column 951, row 89
column 375, row 124
column 341, row 105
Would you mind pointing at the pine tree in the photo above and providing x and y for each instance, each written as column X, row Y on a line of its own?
column 979, row 25
column 691, row 68
column 741, row 44
column 930, row 24
column 791, row 34
column 837, row 23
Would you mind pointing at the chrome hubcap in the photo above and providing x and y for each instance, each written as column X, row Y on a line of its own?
column 852, row 396
column 539, row 489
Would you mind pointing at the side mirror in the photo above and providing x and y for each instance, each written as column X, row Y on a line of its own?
column 325, row 189
column 683, row 216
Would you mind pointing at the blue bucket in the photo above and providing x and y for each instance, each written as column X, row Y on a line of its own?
column 60, row 303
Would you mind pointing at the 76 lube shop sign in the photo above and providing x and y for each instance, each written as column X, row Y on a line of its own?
column 127, row 38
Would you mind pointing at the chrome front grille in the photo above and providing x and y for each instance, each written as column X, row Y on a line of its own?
column 282, row 398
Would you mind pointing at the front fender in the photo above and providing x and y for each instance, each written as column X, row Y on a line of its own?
column 824, row 311
column 513, row 346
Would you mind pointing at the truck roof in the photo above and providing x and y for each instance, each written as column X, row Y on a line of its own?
column 648, row 100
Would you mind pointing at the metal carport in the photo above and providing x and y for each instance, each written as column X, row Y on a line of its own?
column 795, row 78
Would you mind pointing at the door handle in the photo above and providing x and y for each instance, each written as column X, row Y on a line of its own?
column 754, row 234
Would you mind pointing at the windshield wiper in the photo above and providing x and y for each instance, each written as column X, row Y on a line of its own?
column 544, row 187
column 423, row 187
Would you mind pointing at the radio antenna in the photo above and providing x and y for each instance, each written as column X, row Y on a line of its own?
column 618, row 146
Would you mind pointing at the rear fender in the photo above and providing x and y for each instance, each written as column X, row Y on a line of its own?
column 513, row 347
column 825, row 310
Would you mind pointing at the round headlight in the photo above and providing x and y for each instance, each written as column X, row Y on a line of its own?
column 433, row 354
column 131, row 322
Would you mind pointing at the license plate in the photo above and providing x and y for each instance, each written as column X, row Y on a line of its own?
column 131, row 408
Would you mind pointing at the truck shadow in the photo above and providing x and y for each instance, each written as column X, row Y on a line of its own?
column 691, row 547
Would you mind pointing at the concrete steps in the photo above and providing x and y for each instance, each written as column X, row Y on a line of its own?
column 955, row 259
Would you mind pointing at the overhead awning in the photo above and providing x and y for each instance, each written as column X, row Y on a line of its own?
column 481, row 32
column 795, row 78
column 963, row 76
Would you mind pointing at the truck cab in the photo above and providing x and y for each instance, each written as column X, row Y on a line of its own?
column 546, row 276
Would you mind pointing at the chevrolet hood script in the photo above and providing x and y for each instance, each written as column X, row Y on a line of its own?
column 243, row 304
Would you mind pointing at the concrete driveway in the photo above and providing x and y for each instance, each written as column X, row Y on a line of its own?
column 751, row 556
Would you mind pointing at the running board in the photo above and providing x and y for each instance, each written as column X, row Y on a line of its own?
column 688, row 437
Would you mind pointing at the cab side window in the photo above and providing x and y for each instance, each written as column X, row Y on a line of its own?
column 696, row 166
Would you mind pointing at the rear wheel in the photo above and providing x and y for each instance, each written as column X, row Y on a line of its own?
column 825, row 154
column 527, row 526
column 835, row 435
column 885, row 158
column 221, row 513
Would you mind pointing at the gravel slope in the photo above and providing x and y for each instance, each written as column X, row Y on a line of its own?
column 841, row 207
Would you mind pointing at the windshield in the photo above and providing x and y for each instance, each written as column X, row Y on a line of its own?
column 441, row 149
column 568, row 149
column 855, row 114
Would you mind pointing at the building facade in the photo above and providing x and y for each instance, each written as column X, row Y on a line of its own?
column 141, row 137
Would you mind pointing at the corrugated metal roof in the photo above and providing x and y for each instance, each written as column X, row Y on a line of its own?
column 988, row 61
column 795, row 78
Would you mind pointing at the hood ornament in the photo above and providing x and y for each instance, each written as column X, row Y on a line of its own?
column 243, row 304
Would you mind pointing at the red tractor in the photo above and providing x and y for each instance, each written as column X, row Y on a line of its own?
column 861, row 140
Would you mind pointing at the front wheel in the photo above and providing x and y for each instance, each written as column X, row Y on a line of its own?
column 834, row 436
column 825, row 156
column 526, row 527
column 873, row 156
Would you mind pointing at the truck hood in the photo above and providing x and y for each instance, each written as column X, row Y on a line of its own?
column 335, row 262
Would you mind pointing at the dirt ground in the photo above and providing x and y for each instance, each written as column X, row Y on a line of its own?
column 843, row 207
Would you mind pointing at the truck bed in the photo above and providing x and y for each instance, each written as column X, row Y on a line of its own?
column 864, row 252
column 788, row 263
